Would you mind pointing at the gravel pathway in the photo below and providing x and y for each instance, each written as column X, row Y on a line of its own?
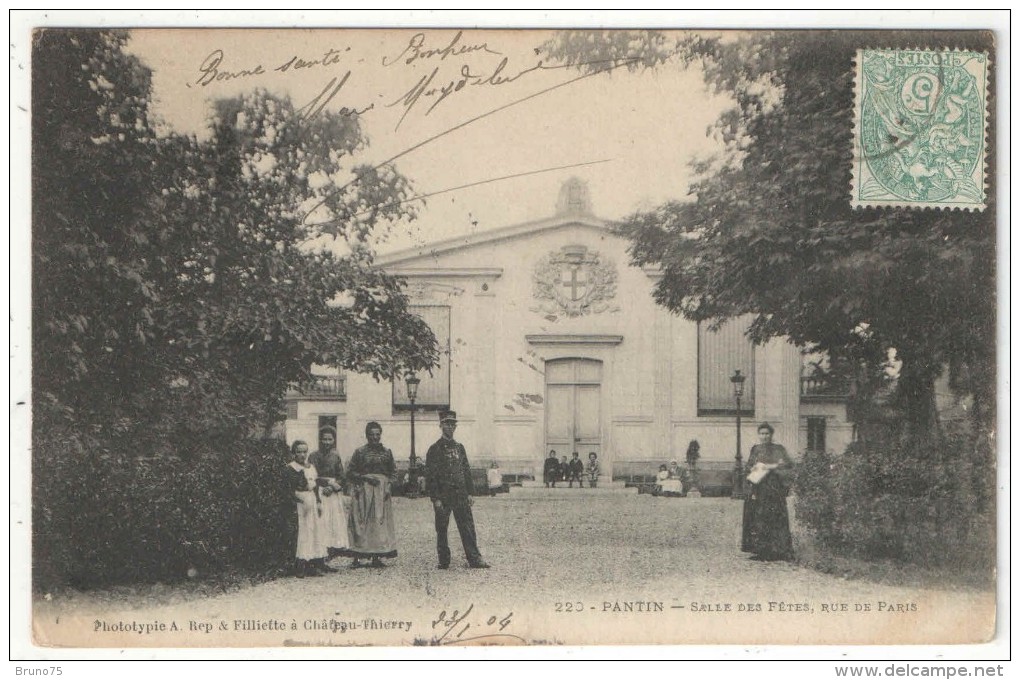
column 598, row 569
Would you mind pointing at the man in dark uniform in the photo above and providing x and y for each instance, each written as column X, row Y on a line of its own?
column 449, row 485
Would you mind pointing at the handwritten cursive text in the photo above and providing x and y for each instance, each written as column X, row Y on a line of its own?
column 329, row 58
column 416, row 50
column 430, row 86
column 319, row 102
column 456, row 623
column 213, row 73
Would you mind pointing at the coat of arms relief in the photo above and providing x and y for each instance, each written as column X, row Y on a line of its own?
column 575, row 281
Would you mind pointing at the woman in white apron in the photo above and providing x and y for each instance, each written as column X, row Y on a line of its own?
column 310, row 553
column 331, row 476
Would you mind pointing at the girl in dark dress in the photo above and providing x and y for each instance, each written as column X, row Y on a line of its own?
column 766, row 530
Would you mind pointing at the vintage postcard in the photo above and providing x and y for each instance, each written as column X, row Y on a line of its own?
column 424, row 337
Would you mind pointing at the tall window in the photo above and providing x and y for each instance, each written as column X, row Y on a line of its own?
column 816, row 433
column 330, row 422
column 434, row 390
column 720, row 353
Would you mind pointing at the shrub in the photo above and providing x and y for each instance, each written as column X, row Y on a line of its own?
column 925, row 503
column 105, row 516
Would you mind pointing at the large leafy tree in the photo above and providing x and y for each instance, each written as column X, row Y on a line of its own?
column 768, row 229
column 254, row 291
column 177, row 287
column 93, row 155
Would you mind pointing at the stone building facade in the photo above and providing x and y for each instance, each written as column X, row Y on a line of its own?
column 551, row 340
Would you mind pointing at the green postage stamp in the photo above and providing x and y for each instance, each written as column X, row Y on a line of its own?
column 919, row 129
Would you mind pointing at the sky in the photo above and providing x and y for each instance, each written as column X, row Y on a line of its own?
column 631, row 136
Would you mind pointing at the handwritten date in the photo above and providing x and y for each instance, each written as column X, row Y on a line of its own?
column 454, row 625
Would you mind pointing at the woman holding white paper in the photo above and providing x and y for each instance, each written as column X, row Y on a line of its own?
column 766, row 530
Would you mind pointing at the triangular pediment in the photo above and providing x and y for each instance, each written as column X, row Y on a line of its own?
column 504, row 235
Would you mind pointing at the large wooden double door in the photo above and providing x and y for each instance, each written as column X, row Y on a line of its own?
column 573, row 407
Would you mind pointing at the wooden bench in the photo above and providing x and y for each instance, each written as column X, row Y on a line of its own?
column 715, row 478
column 479, row 480
column 517, row 479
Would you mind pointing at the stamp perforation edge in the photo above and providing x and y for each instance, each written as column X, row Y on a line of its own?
column 861, row 173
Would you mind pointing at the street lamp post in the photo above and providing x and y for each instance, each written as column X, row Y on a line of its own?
column 412, row 473
column 738, row 466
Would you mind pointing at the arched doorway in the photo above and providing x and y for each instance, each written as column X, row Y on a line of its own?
column 573, row 406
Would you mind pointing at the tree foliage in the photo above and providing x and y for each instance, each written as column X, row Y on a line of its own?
column 769, row 231
column 179, row 284
column 93, row 158
column 176, row 281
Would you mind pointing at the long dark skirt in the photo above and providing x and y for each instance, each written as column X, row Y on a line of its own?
column 766, row 531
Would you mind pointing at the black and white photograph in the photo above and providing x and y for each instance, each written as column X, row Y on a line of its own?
column 459, row 335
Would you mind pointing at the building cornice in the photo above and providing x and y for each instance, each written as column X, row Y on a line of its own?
column 443, row 272
column 573, row 339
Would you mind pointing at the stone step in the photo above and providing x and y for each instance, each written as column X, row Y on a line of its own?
column 604, row 483
column 540, row 491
